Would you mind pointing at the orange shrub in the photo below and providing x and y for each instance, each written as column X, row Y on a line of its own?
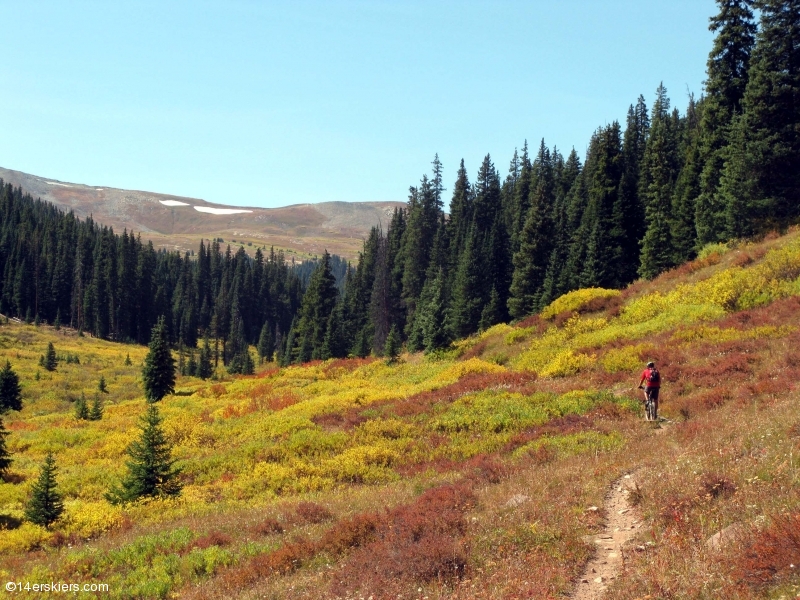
column 769, row 555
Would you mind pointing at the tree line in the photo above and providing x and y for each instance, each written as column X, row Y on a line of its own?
column 646, row 197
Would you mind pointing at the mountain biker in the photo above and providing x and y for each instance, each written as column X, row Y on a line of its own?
column 652, row 380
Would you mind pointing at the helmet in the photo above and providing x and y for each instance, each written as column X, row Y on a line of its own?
column 651, row 364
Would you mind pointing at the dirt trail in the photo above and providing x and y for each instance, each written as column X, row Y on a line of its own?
column 621, row 527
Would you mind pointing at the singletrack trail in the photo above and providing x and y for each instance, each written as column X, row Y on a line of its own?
column 621, row 527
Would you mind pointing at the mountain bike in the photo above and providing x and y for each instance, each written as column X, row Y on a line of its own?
column 649, row 406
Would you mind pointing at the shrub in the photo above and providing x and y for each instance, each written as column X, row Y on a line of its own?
column 770, row 555
column 311, row 512
column 268, row 526
column 573, row 301
column 566, row 363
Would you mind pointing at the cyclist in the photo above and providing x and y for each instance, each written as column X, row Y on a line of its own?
column 652, row 380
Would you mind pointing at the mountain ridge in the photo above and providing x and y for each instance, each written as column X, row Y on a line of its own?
column 179, row 222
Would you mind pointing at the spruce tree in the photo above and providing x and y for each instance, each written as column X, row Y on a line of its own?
column 493, row 312
column 191, row 365
column 771, row 116
column 5, row 454
column 101, row 385
column 45, row 505
column 204, row 368
column 81, row 409
column 158, row 372
column 392, row 348
column 10, row 390
column 727, row 74
column 50, row 360
column 151, row 469
column 266, row 343
column 96, row 411
column 128, row 362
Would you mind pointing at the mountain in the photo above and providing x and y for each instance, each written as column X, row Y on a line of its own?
column 176, row 222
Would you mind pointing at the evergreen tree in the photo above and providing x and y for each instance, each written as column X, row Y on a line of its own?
column 266, row 343
column 81, row 409
column 687, row 188
column 335, row 342
column 660, row 169
column 318, row 302
column 45, row 505
column 392, row 348
column 10, row 390
column 57, row 322
column 191, row 365
column 432, row 315
column 158, row 372
column 50, row 360
column 469, row 287
column 5, row 454
column 204, row 368
column 101, row 385
column 493, row 312
column 128, row 362
column 771, row 115
column 96, row 411
column 726, row 70
column 151, row 469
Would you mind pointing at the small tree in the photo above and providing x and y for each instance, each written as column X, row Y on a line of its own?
column 50, row 359
column 81, row 410
column 158, row 373
column 101, row 385
column 96, row 411
column 204, row 369
column 151, row 470
column 392, row 347
column 5, row 455
column 10, row 390
column 57, row 322
column 191, row 365
column 128, row 362
column 45, row 505
column 266, row 343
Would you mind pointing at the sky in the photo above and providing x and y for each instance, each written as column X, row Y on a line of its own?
column 277, row 103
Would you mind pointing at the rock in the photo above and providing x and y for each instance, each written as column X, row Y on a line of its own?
column 725, row 536
column 599, row 579
column 623, row 511
column 592, row 509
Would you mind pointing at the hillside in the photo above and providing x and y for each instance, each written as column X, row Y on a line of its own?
column 477, row 472
column 175, row 222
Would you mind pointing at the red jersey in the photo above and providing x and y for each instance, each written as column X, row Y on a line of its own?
column 646, row 379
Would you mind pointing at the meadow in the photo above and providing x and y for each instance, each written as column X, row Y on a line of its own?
column 476, row 472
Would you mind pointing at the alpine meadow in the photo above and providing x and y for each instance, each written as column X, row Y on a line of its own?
column 453, row 415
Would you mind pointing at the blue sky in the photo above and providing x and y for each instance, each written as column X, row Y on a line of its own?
column 276, row 103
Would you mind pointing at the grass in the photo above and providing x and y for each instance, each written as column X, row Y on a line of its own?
column 461, row 476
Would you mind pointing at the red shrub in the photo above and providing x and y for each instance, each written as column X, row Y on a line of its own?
column 281, row 401
column 563, row 317
column 350, row 533
column 769, row 553
column 346, row 421
column 713, row 398
column 533, row 321
column 487, row 469
column 214, row 538
column 268, row 526
column 285, row 559
column 602, row 303
column 476, row 350
column 311, row 512
column 419, row 542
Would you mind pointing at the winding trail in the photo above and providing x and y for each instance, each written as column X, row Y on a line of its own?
column 621, row 527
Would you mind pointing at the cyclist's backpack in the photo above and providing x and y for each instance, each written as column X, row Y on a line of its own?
column 654, row 376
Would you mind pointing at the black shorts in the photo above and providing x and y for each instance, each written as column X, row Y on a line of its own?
column 652, row 393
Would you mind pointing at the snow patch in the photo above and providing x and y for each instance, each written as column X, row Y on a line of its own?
column 174, row 203
column 221, row 211
column 56, row 183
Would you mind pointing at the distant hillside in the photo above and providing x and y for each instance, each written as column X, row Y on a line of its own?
column 176, row 222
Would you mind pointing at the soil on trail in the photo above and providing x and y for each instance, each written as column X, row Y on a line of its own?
column 621, row 527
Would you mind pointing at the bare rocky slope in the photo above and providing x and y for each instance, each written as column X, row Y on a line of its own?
column 177, row 222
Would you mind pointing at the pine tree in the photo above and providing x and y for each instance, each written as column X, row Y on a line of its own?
column 128, row 362
column 493, row 312
column 81, row 409
column 432, row 315
column 687, row 188
column 191, row 365
column 57, row 322
column 50, row 360
column 469, row 287
column 335, row 342
column 392, row 348
column 10, row 390
column 101, row 385
column 5, row 454
column 158, row 372
column 266, row 343
column 151, row 469
column 96, row 411
column 45, row 505
column 318, row 303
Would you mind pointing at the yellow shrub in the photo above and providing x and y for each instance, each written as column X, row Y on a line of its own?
column 715, row 334
column 26, row 537
column 473, row 365
column 518, row 335
column 87, row 519
column 575, row 300
column 499, row 329
column 566, row 363
column 627, row 358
